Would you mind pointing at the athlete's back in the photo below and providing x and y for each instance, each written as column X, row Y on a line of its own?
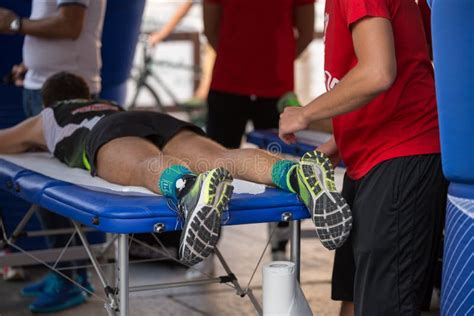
column 67, row 125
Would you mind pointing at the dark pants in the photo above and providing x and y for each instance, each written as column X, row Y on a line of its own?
column 228, row 115
column 32, row 102
column 387, row 266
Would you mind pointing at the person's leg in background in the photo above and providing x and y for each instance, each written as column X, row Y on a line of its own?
column 202, row 91
column 227, row 118
column 342, row 282
column 265, row 115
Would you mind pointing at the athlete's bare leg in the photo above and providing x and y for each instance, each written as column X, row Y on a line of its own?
column 133, row 161
column 202, row 154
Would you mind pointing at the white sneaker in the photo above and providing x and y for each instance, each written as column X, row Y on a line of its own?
column 203, row 269
column 13, row 273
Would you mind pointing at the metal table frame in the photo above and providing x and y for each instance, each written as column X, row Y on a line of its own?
column 116, row 299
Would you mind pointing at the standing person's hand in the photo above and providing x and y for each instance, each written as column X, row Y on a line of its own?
column 330, row 149
column 292, row 120
column 155, row 38
column 6, row 18
column 18, row 74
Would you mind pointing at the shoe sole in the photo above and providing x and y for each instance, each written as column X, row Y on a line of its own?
column 30, row 294
column 201, row 229
column 89, row 288
column 331, row 214
column 71, row 303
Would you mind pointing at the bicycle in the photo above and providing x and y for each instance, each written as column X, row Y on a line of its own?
column 143, row 73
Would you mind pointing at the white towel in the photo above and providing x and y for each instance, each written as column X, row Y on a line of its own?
column 45, row 164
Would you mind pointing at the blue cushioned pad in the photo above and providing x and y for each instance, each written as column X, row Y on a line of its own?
column 461, row 190
column 269, row 140
column 118, row 213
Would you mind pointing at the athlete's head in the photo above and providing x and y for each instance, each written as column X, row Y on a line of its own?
column 64, row 86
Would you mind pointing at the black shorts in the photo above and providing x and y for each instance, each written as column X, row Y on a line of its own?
column 159, row 128
column 387, row 265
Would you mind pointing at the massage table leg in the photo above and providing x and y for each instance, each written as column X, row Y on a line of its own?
column 19, row 228
column 122, row 274
column 109, row 292
column 236, row 283
column 296, row 246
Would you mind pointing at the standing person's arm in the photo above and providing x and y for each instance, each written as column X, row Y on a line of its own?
column 212, row 15
column 67, row 24
column 374, row 73
column 168, row 28
column 304, row 25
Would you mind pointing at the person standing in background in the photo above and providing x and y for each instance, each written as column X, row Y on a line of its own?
column 256, row 43
column 382, row 101
column 61, row 35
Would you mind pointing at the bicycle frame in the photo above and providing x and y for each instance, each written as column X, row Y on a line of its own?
column 146, row 72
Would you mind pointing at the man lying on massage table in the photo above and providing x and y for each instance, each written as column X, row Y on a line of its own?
column 173, row 158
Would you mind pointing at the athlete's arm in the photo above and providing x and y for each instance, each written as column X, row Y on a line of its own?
column 212, row 17
column 304, row 25
column 168, row 28
column 374, row 73
column 67, row 24
column 22, row 137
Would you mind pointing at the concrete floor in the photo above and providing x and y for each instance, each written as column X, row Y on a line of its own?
column 241, row 246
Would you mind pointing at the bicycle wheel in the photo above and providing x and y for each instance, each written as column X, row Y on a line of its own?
column 140, row 93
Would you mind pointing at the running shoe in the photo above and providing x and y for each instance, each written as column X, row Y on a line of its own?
column 202, row 207
column 329, row 211
column 37, row 288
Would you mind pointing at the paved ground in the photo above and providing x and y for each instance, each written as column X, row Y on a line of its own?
column 241, row 246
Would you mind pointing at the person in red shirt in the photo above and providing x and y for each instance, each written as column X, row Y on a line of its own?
column 381, row 97
column 256, row 44
column 256, row 47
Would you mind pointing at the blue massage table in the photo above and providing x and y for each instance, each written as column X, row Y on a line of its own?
column 269, row 140
column 123, row 214
column 307, row 140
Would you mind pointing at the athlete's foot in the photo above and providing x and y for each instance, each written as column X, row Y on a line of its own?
column 329, row 211
column 202, row 207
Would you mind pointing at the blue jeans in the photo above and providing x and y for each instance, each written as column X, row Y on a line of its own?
column 32, row 102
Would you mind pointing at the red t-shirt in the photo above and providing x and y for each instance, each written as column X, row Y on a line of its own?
column 256, row 48
column 402, row 121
